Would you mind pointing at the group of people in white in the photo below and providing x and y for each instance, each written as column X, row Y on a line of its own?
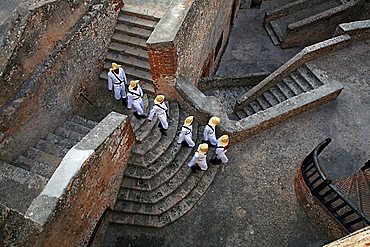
column 134, row 98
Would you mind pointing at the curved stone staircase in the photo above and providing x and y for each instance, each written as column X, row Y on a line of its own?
column 128, row 47
column 158, row 187
column 278, row 20
column 23, row 180
column 304, row 79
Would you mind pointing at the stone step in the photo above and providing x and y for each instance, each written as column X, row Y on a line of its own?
column 156, row 159
column 19, row 187
column 241, row 114
column 136, row 52
column 270, row 98
column 45, row 164
column 277, row 30
column 309, row 76
column 137, row 21
column 177, row 211
column 135, row 10
column 153, row 139
column 274, row 38
column 51, row 148
column 78, row 128
column 145, row 77
column 256, row 106
column 133, row 31
column 288, row 93
column 137, row 123
column 364, row 193
column 128, row 61
column 279, row 95
column 60, row 140
column 129, row 41
column 43, row 169
column 263, row 102
column 293, row 86
column 165, row 203
column 301, row 81
column 69, row 134
column 84, row 122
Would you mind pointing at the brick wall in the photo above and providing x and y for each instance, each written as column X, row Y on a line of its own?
column 52, row 92
column 185, row 41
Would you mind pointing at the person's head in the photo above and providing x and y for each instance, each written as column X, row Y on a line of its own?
column 133, row 84
column 115, row 68
column 203, row 148
column 188, row 121
column 159, row 99
column 223, row 141
column 213, row 121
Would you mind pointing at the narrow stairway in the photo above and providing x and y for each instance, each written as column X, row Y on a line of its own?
column 278, row 20
column 158, row 187
column 23, row 180
column 128, row 47
column 304, row 79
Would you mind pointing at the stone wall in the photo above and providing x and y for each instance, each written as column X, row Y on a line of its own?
column 40, row 27
column 321, row 26
column 84, row 185
column 52, row 92
column 186, row 40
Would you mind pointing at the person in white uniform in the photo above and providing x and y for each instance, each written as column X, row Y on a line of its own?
column 221, row 149
column 117, row 80
column 199, row 160
column 135, row 99
column 160, row 110
column 185, row 137
column 209, row 134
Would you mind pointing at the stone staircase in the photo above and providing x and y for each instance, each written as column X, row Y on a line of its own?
column 128, row 47
column 23, row 179
column 304, row 79
column 158, row 187
column 278, row 20
column 356, row 188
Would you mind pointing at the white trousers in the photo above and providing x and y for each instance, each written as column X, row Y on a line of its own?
column 163, row 119
column 220, row 153
column 119, row 91
column 139, row 106
column 201, row 160
column 212, row 138
column 187, row 138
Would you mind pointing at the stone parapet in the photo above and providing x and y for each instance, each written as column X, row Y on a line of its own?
column 357, row 29
column 358, row 238
column 84, row 185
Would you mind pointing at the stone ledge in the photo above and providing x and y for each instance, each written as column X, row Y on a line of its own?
column 43, row 207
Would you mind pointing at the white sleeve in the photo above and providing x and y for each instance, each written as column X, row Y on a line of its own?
column 129, row 101
column 205, row 133
column 110, row 83
column 151, row 113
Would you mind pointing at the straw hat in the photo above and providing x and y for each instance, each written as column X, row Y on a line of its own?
column 133, row 84
column 188, row 121
column 115, row 66
column 203, row 148
column 214, row 121
column 223, row 141
column 159, row 99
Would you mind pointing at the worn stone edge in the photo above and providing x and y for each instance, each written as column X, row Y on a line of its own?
column 43, row 206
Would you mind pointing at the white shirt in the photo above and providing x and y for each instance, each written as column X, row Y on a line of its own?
column 113, row 80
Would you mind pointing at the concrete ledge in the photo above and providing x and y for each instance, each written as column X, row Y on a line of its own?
column 307, row 54
column 358, row 238
column 287, row 109
column 356, row 29
column 170, row 23
column 253, row 79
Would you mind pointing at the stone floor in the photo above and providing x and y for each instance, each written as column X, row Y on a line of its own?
column 250, row 49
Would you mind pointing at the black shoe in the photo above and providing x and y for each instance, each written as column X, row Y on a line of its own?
column 193, row 169
column 124, row 101
column 163, row 131
column 136, row 115
column 160, row 125
column 142, row 116
column 185, row 144
column 215, row 161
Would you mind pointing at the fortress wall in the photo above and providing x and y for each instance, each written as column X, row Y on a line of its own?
column 189, row 40
column 52, row 94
